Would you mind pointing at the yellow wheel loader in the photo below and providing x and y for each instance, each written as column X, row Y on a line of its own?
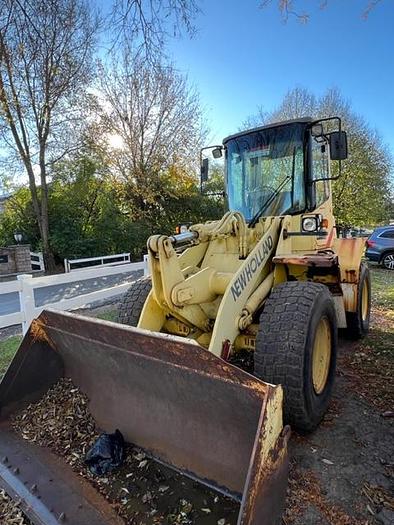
column 270, row 279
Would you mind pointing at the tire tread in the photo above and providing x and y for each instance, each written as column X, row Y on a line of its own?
column 282, row 333
column 133, row 301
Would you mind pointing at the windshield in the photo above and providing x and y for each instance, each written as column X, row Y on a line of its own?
column 267, row 166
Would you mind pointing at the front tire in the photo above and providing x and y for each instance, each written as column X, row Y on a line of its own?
column 296, row 347
column 133, row 301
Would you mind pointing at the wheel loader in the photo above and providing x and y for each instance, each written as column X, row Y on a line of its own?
column 271, row 280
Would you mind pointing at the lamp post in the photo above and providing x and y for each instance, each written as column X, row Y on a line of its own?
column 18, row 237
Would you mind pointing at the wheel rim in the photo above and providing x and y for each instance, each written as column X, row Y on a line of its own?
column 321, row 356
column 388, row 261
column 365, row 301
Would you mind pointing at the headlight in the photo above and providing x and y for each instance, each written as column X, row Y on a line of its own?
column 309, row 224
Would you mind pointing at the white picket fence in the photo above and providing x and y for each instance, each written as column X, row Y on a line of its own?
column 105, row 260
column 37, row 262
column 26, row 284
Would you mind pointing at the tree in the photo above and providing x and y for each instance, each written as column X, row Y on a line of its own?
column 363, row 193
column 157, row 116
column 46, row 51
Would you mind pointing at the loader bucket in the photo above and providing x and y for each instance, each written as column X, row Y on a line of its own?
column 183, row 405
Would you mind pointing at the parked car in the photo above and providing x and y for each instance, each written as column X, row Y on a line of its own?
column 360, row 232
column 380, row 246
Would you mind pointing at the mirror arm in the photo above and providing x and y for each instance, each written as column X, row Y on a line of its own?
column 201, row 163
column 326, row 178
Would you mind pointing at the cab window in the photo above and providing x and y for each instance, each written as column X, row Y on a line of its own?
column 320, row 170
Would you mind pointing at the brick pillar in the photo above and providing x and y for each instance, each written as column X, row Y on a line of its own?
column 15, row 259
column 7, row 261
column 22, row 258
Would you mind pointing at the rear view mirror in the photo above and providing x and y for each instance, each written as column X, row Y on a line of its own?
column 204, row 170
column 338, row 145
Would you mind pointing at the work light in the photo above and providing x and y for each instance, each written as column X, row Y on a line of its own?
column 310, row 224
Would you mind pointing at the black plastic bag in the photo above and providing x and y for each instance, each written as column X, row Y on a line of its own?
column 106, row 454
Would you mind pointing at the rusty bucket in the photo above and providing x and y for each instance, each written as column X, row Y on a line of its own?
column 184, row 406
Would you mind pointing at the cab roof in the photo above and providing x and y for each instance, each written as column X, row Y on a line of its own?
column 267, row 126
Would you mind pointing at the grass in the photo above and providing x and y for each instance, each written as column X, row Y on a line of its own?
column 8, row 347
column 109, row 315
column 370, row 364
column 382, row 287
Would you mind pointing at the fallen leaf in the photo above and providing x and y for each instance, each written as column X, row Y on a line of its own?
column 139, row 456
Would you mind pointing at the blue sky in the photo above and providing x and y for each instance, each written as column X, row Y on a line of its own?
column 244, row 57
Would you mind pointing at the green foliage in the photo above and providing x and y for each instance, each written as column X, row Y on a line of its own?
column 92, row 213
column 363, row 194
column 19, row 216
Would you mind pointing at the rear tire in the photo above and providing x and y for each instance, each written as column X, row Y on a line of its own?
column 133, row 301
column 296, row 347
column 358, row 322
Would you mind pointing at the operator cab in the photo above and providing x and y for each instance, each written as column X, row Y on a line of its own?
column 280, row 169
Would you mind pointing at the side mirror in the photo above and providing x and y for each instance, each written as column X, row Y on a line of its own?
column 338, row 145
column 204, row 170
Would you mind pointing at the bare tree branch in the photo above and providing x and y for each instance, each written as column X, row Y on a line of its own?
column 146, row 25
column 371, row 5
column 286, row 9
column 289, row 8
